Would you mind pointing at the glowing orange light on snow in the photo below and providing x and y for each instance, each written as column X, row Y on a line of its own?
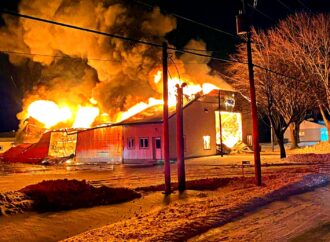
column 48, row 113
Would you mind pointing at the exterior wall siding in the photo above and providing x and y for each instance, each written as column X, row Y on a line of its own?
column 136, row 132
column 100, row 145
column 29, row 153
column 198, row 121
column 309, row 135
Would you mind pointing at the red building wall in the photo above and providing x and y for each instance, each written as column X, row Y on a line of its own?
column 100, row 145
column 29, row 153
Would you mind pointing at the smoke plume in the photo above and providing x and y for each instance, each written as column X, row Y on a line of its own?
column 77, row 65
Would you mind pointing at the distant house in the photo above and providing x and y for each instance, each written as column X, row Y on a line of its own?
column 310, row 132
column 7, row 140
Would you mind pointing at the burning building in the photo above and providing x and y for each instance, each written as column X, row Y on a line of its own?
column 98, row 98
column 143, row 134
column 139, row 139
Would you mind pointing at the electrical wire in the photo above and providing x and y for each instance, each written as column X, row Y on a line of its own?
column 191, row 20
column 4, row 11
column 284, row 5
column 262, row 13
column 54, row 56
column 134, row 40
column 304, row 5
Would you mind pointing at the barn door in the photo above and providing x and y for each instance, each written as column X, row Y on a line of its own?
column 156, row 148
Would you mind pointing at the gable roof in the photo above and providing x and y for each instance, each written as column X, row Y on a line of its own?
column 154, row 114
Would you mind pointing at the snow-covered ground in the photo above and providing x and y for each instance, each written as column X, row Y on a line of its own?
column 154, row 217
column 181, row 221
column 304, row 217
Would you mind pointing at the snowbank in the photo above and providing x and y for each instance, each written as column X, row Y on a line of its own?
column 181, row 221
column 321, row 147
column 308, row 158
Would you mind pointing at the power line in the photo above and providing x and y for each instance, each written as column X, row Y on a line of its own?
column 131, row 39
column 87, row 30
column 304, row 5
column 262, row 13
column 275, row 72
column 79, row 28
column 284, row 5
column 191, row 20
column 54, row 56
column 66, row 56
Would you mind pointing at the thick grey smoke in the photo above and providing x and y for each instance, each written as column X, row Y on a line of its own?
column 77, row 65
column 110, row 70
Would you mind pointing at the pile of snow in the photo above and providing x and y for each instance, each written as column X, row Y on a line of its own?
column 181, row 221
column 308, row 158
column 321, row 147
column 14, row 202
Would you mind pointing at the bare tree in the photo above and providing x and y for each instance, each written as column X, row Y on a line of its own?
column 283, row 99
column 303, row 40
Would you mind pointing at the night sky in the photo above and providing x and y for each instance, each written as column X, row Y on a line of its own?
column 218, row 14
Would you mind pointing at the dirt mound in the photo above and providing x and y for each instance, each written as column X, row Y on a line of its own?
column 66, row 194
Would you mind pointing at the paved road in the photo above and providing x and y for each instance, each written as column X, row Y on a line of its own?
column 16, row 176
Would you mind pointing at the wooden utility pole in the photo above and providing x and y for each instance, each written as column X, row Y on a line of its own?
column 167, row 168
column 243, row 27
column 179, row 138
column 220, row 123
column 255, row 128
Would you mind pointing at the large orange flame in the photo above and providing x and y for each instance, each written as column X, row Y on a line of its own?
column 190, row 90
column 50, row 114
column 137, row 108
column 85, row 116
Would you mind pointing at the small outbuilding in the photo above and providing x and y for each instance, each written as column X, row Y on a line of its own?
column 310, row 132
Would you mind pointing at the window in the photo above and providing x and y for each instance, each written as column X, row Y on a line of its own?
column 207, row 142
column 158, row 144
column 130, row 143
column 144, row 143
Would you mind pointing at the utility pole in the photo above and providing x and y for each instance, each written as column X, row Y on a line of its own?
column 243, row 27
column 220, row 124
column 167, row 168
column 179, row 138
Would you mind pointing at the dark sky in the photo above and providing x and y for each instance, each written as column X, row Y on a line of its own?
column 216, row 13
